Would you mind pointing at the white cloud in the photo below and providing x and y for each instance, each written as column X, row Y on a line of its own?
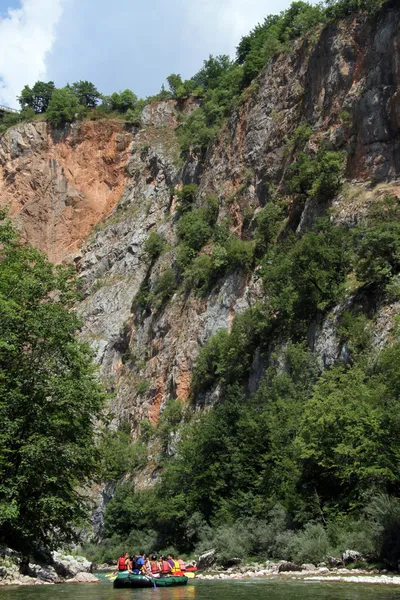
column 26, row 36
column 228, row 20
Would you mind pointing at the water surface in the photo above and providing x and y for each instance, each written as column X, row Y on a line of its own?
column 210, row 590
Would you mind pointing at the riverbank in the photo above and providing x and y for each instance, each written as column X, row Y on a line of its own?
column 307, row 572
column 50, row 570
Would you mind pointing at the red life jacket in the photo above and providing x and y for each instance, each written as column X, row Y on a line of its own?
column 154, row 567
column 165, row 567
column 122, row 563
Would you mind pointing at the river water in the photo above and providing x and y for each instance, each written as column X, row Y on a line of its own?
column 210, row 590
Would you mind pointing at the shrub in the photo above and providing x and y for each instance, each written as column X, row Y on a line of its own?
column 63, row 107
column 306, row 275
column 194, row 230
column 154, row 245
column 318, row 176
column 199, row 275
column 169, row 421
column 9, row 120
column 123, row 101
column 310, row 545
column 143, row 387
column 267, row 227
column 377, row 252
column 186, row 197
column 163, row 288
column 118, row 455
column 383, row 515
column 87, row 93
column 38, row 97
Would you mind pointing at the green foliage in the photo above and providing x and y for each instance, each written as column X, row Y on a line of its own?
column 306, row 275
column 169, row 421
column 174, row 82
column 123, row 101
column 38, row 97
column 318, row 176
column 87, row 93
column 227, row 357
column 154, row 245
column 194, row 230
column 186, row 197
column 383, row 514
column 272, row 37
column 267, row 227
column 134, row 115
column 8, row 120
column 143, row 387
column 49, row 396
column 377, row 246
column 164, row 288
column 118, row 455
column 220, row 83
column 62, row 107
column 338, row 9
column 344, row 437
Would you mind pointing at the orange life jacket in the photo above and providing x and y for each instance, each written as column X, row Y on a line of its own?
column 122, row 563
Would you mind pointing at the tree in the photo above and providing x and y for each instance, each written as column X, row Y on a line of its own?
column 38, row 97
column 87, row 93
column 349, row 436
column 123, row 101
column 174, row 82
column 49, row 396
column 63, row 107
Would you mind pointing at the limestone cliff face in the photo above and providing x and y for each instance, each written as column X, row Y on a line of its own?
column 345, row 85
column 343, row 81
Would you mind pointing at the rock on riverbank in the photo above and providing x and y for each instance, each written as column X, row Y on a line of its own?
column 284, row 569
column 58, row 568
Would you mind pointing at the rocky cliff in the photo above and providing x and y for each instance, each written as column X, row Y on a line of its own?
column 95, row 192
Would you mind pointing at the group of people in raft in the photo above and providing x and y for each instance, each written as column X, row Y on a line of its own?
column 142, row 564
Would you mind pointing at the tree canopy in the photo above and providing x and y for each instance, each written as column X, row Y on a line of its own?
column 49, row 396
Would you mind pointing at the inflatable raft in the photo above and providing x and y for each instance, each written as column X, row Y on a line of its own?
column 127, row 580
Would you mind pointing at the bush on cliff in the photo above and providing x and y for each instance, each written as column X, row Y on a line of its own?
column 38, row 97
column 63, row 107
column 49, row 396
column 154, row 245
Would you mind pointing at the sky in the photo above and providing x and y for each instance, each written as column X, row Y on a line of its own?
column 118, row 44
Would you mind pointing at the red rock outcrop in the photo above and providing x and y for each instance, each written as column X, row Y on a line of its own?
column 58, row 188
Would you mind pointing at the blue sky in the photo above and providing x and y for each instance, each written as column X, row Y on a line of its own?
column 118, row 44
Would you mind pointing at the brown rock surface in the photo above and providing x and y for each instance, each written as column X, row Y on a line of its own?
column 59, row 187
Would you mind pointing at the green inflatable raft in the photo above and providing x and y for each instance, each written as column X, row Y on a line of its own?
column 127, row 580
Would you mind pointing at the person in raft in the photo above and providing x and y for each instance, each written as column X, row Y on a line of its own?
column 155, row 566
column 166, row 568
column 140, row 566
column 175, row 566
column 181, row 564
column 123, row 563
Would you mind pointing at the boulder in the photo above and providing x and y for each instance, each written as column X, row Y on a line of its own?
column 308, row 567
column 83, row 578
column 351, row 556
column 43, row 573
column 233, row 562
column 334, row 561
column 286, row 566
column 207, row 559
column 69, row 566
